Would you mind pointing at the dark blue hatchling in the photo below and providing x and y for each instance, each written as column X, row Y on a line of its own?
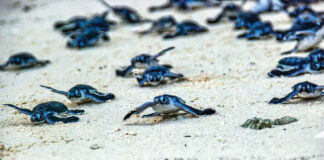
column 126, row 13
column 161, row 25
column 79, row 24
column 293, row 62
column 185, row 28
column 230, row 11
column 246, row 20
column 184, row 5
column 305, row 90
column 22, row 60
column 155, row 76
column 50, row 112
column 259, row 30
column 82, row 93
column 87, row 38
column 302, row 68
column 168, row 104
column 143, row 61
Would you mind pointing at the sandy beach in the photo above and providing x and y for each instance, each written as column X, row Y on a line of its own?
column 223, row 73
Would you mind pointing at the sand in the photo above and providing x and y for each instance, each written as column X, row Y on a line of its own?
column 223, row 73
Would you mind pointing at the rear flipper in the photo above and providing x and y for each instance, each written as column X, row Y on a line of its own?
column 24, row 111
column 173, row 76
column 59, row 24
column 284, row 99
column 100, row 97
column 124, row 71
column 243, row 35
column 76, row 111
column 169, row 66
column 139, row 109
column 50, row 118
column 43, row 62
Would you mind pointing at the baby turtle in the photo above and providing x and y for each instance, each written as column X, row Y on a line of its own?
column 307, row 40
column 257, row 31
column 246, row 20
column 186, row 28
column 49, row 112
column 302, row 68
column 293, row 62
column 22, row 60
column 87, row 38
column 126, row 13
column 184, row 5
column 143, row 61
column 230, row 11
column 163, row 24
column 155, row 75
column 168, row 104
column 305, row 90
column 82, row 93
column 77, row 24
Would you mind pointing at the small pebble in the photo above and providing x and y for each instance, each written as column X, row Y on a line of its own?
column 95, row 146
column 131, row 133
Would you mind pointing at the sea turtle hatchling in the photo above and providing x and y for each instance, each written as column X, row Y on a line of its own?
column 82, row 93
column 184, row 5
column 49, row 112
column 230, row 11
column 155, row 75
column 185, row 28
column 305, row 90
column 22, row 60
column 161, row 25
column 126, row 13
column 143, row 61
column 168, row 104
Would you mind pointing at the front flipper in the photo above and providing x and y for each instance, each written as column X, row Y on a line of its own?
column 216, row 20
column 162, row 7
column 161, row 53
column 50, row 118
column 140, row 79
column 151, row 115
column 173, row 35
column 173, row 76
column 242, row 35
column 24, row 111
column 76, row 111
column 169, row 66
column 125, row 71
column 284, row 99
column 54, row 90
column 289, row 73
column 151, row 29
column 289, row 52
column 99, row 97
column 139, row 109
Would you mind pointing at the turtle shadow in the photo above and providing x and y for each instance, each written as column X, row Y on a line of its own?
column 160, row 119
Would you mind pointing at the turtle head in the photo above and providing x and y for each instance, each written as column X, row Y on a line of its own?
column 37, row 117
column 163, row 99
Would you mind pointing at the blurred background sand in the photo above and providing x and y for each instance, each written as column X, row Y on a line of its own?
column 224, row 73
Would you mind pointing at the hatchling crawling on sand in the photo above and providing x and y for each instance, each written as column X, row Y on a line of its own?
column 185, row 28
column 168, row 104
column 49, row 112
column 258, row 30
column 126, row 13
column 143, row 61
column 22, row 60
column 305, row 90
column 82, row 93
column 230, row 11
column 155, row 76
column 184, row 5
column 161, row 25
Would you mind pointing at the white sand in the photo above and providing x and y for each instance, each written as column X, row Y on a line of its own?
column 222, row 76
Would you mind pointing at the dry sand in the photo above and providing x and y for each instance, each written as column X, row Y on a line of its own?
column 224, row 73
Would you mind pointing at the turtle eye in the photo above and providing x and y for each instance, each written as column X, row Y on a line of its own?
column 163, row 100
